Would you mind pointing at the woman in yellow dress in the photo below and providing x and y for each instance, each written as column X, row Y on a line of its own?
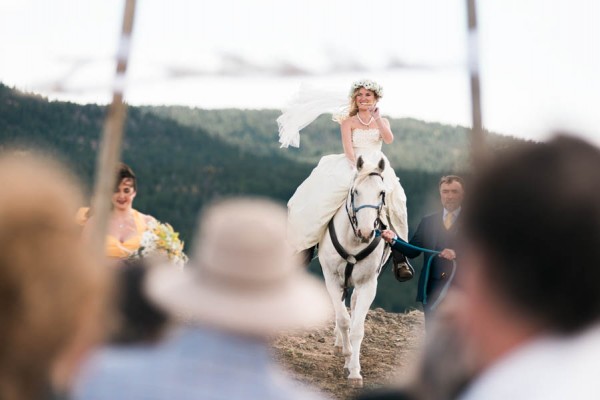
column 126, row 225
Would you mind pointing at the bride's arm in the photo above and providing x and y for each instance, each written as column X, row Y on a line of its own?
column 346, row 128
column 384, row 129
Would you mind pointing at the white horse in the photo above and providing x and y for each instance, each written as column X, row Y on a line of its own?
column 354, row 226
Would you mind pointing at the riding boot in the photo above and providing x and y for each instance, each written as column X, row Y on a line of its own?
column 403, row 270
column 307, row 255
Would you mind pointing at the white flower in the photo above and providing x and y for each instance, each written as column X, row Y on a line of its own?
column 148, row 239
column 367, row 84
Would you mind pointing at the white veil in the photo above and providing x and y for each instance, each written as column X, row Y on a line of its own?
column 304, row 107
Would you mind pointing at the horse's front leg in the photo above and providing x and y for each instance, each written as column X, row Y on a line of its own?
column 342, row 318
column 364, row 298
column 353, row 301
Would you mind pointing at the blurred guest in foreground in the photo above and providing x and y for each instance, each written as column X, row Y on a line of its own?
column 525, row 323
column 242, row 287
column 51, row 293
column 138, row 319
column 531, row 311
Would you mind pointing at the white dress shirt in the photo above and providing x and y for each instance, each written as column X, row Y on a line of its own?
column 548, row 368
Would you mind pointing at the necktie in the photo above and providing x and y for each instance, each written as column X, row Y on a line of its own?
column 449, row 220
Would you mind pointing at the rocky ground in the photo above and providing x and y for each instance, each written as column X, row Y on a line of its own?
column 388, row 350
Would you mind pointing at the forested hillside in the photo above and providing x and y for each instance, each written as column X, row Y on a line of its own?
column 184, row 158
column 419, row 146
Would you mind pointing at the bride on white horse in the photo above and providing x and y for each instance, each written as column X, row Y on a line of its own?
column 342, row 203
column 363, row 131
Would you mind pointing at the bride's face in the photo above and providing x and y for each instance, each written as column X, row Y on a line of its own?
column 365, row 99
column 122, row 198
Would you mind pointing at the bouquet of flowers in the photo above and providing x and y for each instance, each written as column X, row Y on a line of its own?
column 161, row 240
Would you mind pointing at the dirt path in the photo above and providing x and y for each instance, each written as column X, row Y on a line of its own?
column 388, row 348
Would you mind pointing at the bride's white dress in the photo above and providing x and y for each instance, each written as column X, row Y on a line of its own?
column 319, row 197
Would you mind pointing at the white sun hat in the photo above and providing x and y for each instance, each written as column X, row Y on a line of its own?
column 243, row 276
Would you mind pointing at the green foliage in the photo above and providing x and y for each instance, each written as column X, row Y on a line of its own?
column 185, row 158
column 419, row 145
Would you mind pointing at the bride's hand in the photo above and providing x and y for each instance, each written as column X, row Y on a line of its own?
column 374, row 112
column 352, row 165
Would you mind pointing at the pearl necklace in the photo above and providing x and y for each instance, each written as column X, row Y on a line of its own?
column 362, row 122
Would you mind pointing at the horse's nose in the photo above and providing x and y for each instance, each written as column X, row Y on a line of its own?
column 365, row 235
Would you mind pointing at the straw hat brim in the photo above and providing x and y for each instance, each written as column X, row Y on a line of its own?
column 299, row 302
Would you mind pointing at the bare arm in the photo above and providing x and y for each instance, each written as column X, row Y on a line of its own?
column 383, row 124
column 148, row 218
column 384, row 129
column 346, row 129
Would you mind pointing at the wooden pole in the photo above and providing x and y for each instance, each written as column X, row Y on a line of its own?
column 112, row 137
column 477, row 136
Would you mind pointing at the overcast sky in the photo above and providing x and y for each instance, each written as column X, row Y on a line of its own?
column 540, row 59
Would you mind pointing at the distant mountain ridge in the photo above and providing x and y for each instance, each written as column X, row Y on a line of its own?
column 418, row 145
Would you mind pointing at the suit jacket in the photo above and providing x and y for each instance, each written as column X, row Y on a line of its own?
column 431, row 234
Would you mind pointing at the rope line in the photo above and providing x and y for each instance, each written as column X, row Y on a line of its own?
column 434, row 253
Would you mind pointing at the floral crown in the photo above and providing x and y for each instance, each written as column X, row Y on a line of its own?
column 367, row 84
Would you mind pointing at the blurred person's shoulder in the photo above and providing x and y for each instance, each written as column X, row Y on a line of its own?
column 117, row 361
column 288, row 388
column 120, row 366
column 145, row 371
column 546, row 368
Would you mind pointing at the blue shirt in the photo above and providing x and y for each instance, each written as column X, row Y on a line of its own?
column 196, row 363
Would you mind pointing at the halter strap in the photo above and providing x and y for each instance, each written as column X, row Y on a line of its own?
column 351, row 260
column 375, row 206
column 353, row 210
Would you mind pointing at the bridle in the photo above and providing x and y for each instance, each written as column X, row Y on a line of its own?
column 352, row 210
column 352, row 259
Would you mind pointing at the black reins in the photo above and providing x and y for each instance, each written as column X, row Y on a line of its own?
column 351, row 260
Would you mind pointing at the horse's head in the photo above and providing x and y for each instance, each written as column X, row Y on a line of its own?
column 366, row 198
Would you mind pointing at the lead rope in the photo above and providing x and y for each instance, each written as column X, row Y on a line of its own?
column 446, row 287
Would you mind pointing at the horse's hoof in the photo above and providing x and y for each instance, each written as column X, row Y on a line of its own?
column 355, row 382
column 338, row 350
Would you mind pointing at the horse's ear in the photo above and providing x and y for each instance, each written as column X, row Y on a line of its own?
column 360, row 163
column 381, row 165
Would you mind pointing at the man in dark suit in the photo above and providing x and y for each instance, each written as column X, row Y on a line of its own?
column 436, row 232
